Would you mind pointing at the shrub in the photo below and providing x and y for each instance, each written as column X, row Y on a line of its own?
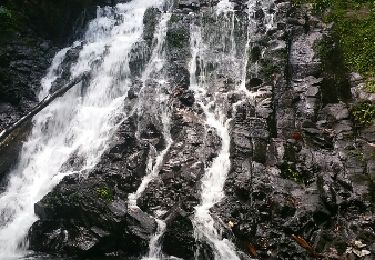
column 363, row 114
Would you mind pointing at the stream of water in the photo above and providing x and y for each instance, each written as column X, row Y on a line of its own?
column 216, row 118
column 75, row 123
column 82, row 122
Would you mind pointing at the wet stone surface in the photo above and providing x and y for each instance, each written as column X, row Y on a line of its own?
column 300, row 182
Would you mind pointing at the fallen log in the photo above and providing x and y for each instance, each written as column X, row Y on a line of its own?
column 42, row 104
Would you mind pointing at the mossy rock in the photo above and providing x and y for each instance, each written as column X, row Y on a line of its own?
column 335, row 85
column 354, row 27
column 363, row 114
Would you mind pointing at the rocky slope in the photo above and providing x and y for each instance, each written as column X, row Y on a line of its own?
column 300, row 183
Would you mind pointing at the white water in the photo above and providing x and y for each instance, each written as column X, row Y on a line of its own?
column 83, row 124
column 215, row 115
column 155, row 252
column 157, row 105
column 74, row 123
column 155, row 66
column 53, row 73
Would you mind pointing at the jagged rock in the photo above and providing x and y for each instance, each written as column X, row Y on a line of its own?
column 187, row 98
column 178, row 240
column 296, row 170
column 107, row 227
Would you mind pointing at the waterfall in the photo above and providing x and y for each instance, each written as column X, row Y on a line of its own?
column 54, row 73
column 153, row 71
column 79, row 123
column 216, row 106
column 215, row 112
column 155, row 252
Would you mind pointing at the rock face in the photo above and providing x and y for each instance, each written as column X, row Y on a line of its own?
column 301, row 179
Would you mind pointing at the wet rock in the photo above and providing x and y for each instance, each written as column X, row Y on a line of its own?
column 107, row 227
column 178, row 240
column 187, row 98
column 90, row 216
column 296, row 170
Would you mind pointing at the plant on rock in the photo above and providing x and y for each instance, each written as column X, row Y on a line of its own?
column 363, row 114
column 176, row 38
column 354, row 27
column 289, row 171
column 105, row 193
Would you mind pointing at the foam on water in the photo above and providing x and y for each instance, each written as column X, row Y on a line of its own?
column 79, row 123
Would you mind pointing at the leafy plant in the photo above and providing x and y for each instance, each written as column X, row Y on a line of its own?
column 358, row 154
column 370, row 86
column 364, row 114
column 289, row 171
column 105, row 193
column 354, row 26
column 5, row 12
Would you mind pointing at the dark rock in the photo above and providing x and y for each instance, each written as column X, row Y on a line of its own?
column 296, row 169
column 178, row 240
column 187, row 98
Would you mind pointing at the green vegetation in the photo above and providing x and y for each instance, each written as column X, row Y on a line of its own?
column 357, row 154
column 354, row 27
column 6, row 21
column 5, row 12
column 12, row 21
column 175, row 18
column 105, row 193
column 268, row 67
column 370, row 85
column 289, row 171
column 335, row 85
column 363, row 114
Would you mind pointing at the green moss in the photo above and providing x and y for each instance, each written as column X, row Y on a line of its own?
column 12, row 21
column 268, row 68
column 363, row 114
column 354, row 26
column 335, row 85
column 5, row 12
column 175, row 18
column 6, row 22
column 105, row 193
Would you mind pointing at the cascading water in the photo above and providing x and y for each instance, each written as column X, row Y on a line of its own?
column 212, row 101
column 215, row 114
column 79, row 123
column 154, row 72
column 54, row 73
